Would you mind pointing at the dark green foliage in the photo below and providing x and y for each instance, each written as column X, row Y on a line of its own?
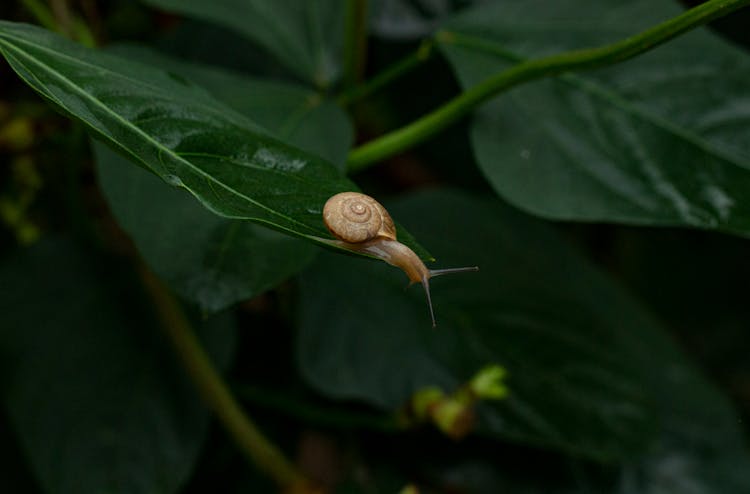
column 622, row 345
column 97, row 400
column 659, row 140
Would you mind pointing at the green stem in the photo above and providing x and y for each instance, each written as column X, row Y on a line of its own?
column 65, row 22
column 42, row 13
column 355, row 41
column 214, row 391
column 395, row 71
column 432, row 123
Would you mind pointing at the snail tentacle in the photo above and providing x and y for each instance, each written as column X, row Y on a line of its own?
column 362, row 224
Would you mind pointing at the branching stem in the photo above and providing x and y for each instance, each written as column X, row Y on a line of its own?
column 390, row 74
column 432, row 123
column 355, row 41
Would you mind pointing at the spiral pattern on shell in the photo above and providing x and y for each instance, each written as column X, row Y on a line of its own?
column 354, row 217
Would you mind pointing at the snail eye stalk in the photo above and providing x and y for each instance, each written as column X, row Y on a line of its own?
column 361, row 224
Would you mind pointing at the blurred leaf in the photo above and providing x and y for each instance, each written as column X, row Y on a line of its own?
column 311, row 409
column 488, row 467
column 14, row 471
column 663, row 139
column 588, row 372
column 178, row 131
column 683, row 466
column 411, row 19
column 668, row 474
column 306, row 36
column 211, row 260
column 96, row 398
column 653, row 263
column 204, row 42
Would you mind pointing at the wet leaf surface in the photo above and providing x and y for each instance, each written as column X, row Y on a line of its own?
column 180, row 132
column 220, row 261
column 658, row 140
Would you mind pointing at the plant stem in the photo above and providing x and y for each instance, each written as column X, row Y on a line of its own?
column 355, row 41
column 42, row 13
column 432, row 123
column 61, row 10
column 395, row 71
column 212, row 388
column 60, row 20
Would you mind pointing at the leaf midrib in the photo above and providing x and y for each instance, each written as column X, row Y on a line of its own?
column 618, row 100
column 156, row 144
column 218, row 108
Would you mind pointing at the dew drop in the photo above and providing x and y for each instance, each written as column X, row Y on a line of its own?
column 173, row 180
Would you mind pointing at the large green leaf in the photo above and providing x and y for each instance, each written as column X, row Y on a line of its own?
column 96, row 397
column 589, row 372
column 291, row 112
column 179, row 131
column 663, row 139
column 211, row 260
column 305, row 36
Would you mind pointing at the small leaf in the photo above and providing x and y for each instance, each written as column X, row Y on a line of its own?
column 662, row 139
column 488, row 383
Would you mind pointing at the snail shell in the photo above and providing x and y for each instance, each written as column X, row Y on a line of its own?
column 362, row 224
column 356, row 218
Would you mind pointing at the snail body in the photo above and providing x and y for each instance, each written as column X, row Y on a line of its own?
column 361, row 224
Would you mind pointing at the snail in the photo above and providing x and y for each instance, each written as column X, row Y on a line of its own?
column 361, row 224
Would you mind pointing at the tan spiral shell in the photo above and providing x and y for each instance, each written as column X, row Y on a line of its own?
column 355, row 217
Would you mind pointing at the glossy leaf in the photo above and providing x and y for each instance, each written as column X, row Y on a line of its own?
column 219, row 261
column 97, row 399
column 662, row 139
column 209, row 260
column 305, row 36
column 179, row 131
column 588, row 371
column 291, row 112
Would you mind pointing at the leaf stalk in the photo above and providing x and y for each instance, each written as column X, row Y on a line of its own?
column 431, row 124
column 389, row 75
column 355, row 41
